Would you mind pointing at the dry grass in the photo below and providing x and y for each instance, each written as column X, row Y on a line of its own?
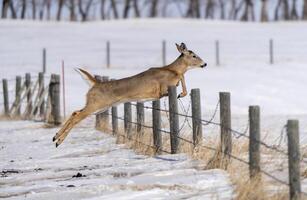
column 238, row 172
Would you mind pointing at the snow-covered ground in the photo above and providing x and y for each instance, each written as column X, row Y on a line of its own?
column 37, row 170
column 111, row 170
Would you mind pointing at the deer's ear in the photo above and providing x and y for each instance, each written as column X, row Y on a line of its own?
column 181, row 48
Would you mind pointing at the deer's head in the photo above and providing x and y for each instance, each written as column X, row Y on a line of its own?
column 190, row 58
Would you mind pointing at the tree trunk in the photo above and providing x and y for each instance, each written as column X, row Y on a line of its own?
column 193, row 10
column 114, row 8
column 23, row 9
column 232, row 9
column 48, row 8
column 294, row 15
column 286, row 10
column 59, row 12
column 84, row 13
column 72, row 10
column 222, row 5
column 210, row 9
column 153, row 9
column 276, row 15
column 136, row 8
column 14, row 15
column 264, row 12
column 5, row 7
column 102, row 13
column 126, row 9
column 305, row 10
column 33, row 9
column 248, row 11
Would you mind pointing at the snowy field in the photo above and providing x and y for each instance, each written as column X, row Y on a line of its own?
column 111, row 170
column 32, row 168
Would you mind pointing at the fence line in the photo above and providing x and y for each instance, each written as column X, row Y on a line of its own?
column 253, row 126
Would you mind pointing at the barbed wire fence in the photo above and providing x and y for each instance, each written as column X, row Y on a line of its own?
column 176, row 134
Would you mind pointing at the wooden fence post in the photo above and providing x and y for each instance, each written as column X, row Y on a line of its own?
column 271, row 51
column 5, row 97
column 98, row 121
column 108, row 54
column 114, row 121
column 217, row 52
column 54, row 93
column 29, row 95
column 294, row 159
column 156, row 123
column 44, row 60
column 140, row 117
column 41, row 86
column 128, row 119
column 196, row 116
column 225, row 117
column 164, row 52
column 173, row 118
column 254, row 145
column 18, row 94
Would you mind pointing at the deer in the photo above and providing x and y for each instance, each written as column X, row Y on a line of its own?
column 149, row 85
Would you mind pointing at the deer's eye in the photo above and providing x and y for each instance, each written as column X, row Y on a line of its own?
column 194, row 56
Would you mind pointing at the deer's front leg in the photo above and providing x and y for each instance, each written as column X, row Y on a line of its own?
column 184, row 88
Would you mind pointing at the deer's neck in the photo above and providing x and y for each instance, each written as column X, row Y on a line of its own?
column 179, row 66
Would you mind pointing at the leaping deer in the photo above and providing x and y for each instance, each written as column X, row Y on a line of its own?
column 148, row 85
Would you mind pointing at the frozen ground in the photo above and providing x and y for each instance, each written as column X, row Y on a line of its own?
column 111, row 170
column 40, row 171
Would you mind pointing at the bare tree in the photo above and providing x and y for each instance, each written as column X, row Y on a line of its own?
column 5, row 7
column 136, row 8
column 294, row 15
column 248, row 11
column 84, row 11
column 232, row 9
column 23, row 9
column 71, row 7
column 114, row 8
column 33, row 9
column 102, row 7
column 153, row 8
column 48, row 4
column 284, row 5
column 193, row 9
column 305, row 10
column 60, row 7
column 210, row 9
column 126, row 8
column 222, row 6
column 264, row 11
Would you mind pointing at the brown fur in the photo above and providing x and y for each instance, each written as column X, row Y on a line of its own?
column 148, row 85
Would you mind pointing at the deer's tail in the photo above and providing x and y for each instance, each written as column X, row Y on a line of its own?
column 86, row 76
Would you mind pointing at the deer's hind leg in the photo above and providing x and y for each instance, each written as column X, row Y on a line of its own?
column 75, row 118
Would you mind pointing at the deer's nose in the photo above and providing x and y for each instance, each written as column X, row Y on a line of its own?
column 204, row 65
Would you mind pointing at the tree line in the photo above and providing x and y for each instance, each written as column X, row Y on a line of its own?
column 86, row 10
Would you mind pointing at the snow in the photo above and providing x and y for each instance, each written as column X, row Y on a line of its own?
column 111, row 170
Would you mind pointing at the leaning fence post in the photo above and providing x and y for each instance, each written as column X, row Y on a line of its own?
column 173, row 118
column 271, row 51
column 18, row 94
column 114, row 120
column 5, row 97
column 29, row 100
column 225, row 117
column 156, row 124
column 44, row 60
column 108, row 55
column 164, row 52
column 140, row 117
column 254, row 145
column 217, row 52
column 294, row 159
column 54, row 93
column 127, row 119
column 196, row 116
column 41, row 86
